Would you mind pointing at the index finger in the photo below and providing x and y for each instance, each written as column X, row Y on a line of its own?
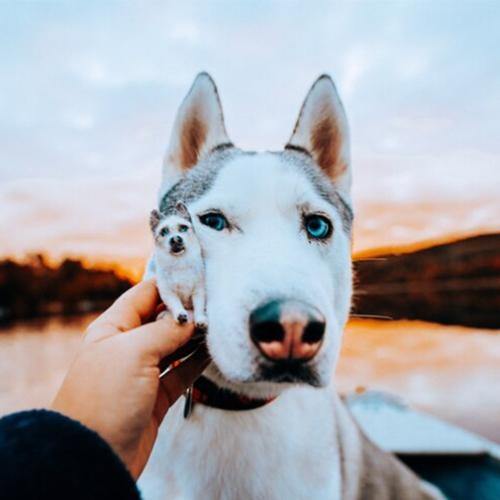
column 136, row 306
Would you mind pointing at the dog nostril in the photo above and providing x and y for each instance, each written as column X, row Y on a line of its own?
column 268, row 331
column 313, row 332
column 287, row 330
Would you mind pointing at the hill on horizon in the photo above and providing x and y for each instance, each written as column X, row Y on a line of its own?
column 450, row 283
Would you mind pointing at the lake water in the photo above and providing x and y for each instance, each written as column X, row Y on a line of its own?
column 452, row 372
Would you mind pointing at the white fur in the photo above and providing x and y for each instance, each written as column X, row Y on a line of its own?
column 265, row 453
column 283, row 450
column 180, row 278
column 268, row 257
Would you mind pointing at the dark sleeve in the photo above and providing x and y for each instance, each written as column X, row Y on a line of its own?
column 44, row 455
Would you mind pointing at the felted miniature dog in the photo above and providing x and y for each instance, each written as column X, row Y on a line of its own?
column 178, row 265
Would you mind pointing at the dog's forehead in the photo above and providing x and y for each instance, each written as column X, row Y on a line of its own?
column 273, row 177
column 173, row 220
column 262, row 178
column 232, row 172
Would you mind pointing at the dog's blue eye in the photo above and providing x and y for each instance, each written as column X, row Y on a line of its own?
column 318, row 227
column 164, row 231
column 182, row 228
column 215, row 221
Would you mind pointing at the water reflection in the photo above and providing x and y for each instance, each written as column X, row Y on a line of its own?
column 34, row 356
column 452, row 372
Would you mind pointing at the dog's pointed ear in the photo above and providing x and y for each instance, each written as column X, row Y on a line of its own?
column 182, row 210
column 322, row 131
column 198, row 128
column 154, row 219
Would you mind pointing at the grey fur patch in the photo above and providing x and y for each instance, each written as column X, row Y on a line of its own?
column 201, row 178
column 197, row 181
column 322, row 184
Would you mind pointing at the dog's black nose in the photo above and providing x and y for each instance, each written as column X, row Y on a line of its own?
column 176, row 241
column 287, row 330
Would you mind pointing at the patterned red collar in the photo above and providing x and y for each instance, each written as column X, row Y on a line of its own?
column 208, row 393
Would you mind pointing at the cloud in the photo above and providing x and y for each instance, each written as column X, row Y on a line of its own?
column 91, row 89
column 186, row 32
column 357, row 63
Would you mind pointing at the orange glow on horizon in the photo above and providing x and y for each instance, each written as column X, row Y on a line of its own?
column 108, row 227
column 132, row 268
column 128, row 268
column 377, row 251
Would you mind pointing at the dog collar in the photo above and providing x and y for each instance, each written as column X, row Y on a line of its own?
column 207, row 393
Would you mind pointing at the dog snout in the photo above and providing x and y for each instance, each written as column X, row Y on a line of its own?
column 287, row 330
column 176, row 241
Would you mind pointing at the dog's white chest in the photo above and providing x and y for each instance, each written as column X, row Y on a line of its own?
column 279, row 451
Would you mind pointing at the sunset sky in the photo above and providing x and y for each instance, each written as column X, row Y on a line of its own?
column 89, row 90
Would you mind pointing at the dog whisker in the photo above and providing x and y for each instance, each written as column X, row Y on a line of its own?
column 370, row 316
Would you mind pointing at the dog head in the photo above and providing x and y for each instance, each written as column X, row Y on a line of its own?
column 275, row 229
column 174, row 232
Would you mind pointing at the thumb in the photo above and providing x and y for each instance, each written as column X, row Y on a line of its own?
column 160, row 338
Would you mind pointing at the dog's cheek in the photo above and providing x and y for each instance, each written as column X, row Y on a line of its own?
column 228, row 343
column 336, row 299
column 328, row 358
column 342, row 277
column 232, row 360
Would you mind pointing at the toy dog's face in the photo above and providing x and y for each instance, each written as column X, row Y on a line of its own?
column 173, row 233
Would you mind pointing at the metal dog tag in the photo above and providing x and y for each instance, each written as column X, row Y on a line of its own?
column 188, row 405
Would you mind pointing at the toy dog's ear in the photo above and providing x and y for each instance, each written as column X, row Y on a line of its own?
column 154, row 219
column 183, row 211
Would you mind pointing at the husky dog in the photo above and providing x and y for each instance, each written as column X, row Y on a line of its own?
column 178, row 265
column 275, row 229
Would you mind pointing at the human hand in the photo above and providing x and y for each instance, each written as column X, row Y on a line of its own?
column 113, row 385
